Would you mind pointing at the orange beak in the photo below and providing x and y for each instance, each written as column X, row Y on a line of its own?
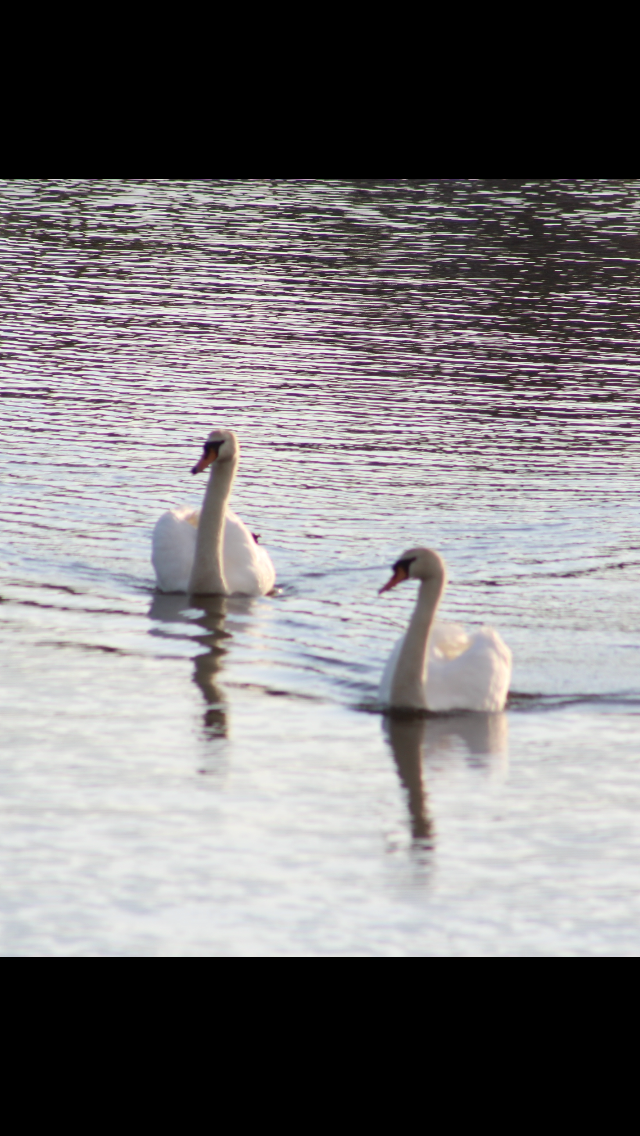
column 209, row 456
column 399, row 575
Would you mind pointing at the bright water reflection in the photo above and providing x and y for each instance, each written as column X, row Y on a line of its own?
column 406, row 737
column 432, row 742
column 452, row 364
column 210, row 617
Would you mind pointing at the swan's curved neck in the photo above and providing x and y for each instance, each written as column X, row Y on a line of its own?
column 409, row 678
column 207, row 574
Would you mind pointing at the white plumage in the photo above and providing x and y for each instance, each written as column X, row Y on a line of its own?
column 212, row 551
column 247, row 567
column 439, row 666
column 463, row 672
column 173, row 547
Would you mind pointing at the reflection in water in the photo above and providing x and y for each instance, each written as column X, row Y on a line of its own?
column 483, row 736
column 213, row 609
column 406, row 735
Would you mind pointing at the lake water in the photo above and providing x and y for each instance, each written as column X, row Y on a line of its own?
column 444, row 363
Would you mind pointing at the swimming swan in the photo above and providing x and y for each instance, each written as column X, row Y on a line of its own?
column 441, row 669
column 212, row 552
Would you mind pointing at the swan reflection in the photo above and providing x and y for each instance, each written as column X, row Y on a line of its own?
column 208, row 613
column 482, row 738
column 406, row 737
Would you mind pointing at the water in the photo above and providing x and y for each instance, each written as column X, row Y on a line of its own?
column 452, row 364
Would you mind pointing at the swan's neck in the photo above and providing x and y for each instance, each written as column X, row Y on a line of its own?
column 207, row 574
column 409, row 679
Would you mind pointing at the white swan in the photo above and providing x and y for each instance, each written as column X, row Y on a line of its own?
column 211, row 552
column 441, row 669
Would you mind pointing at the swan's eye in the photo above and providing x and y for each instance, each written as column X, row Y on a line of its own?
column 209, row 446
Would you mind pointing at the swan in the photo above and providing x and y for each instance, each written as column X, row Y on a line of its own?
column 441, row 668
column 211, row 552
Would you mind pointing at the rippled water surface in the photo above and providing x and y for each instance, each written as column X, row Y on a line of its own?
column 452, row 364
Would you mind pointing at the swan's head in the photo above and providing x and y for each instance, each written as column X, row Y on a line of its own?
column 220, row 446
column 417, row 564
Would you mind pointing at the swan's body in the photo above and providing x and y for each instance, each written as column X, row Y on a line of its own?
column 211, row 552
column 247, row 568
column 440, row 667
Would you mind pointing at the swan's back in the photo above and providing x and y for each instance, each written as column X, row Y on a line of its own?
column 446, row 641
column 173, row 548
column 463, row 673
column 247, row 567
column 475, row 679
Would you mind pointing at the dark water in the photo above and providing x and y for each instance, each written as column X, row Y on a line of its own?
column 447, row 363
